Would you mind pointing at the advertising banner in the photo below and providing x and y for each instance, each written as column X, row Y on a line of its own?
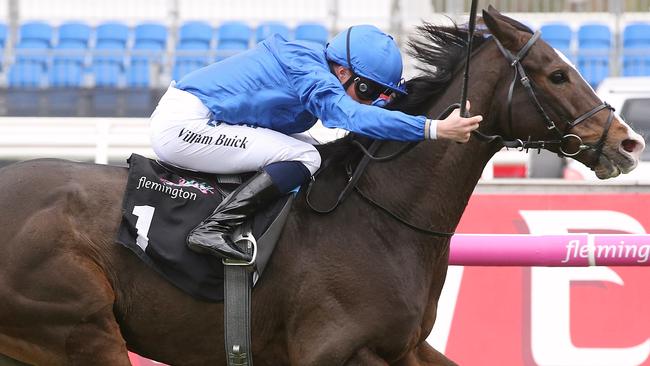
column 551, row 316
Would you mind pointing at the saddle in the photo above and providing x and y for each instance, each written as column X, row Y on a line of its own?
column 163, row 203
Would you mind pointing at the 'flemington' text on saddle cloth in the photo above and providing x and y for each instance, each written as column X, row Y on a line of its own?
column 162, row 204
column 159, row 209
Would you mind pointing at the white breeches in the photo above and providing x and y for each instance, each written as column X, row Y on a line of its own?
column 184, row 134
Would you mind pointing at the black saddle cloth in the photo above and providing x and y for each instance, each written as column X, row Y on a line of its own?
column 162, row 204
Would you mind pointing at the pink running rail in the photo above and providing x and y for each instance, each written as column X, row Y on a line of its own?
column 569, row 250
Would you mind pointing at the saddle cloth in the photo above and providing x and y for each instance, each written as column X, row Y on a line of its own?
column 162, row 204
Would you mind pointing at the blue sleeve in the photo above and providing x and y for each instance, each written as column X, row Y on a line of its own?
column 323, row 95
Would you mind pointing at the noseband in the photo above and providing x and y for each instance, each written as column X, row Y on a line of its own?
column 563, row 137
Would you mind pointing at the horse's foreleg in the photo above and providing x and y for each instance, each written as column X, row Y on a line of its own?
column 365, row 357
column 425, row 355
column 97, row 340
column 58, row 310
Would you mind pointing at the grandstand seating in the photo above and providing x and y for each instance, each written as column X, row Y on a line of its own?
column 636, row 49
column 69, row 58
column 594, row 45
column 150, row 42
column 312, row 32
column 232, row 38
column 559, row 36
column 110, row 53
column 265, row 29
column 30, row 66
column 194, row 42
column 62, row 57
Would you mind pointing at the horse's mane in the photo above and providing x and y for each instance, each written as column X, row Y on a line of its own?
column 441, row 52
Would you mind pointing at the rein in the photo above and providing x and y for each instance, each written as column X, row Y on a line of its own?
column 563, row 138
column 355, row 174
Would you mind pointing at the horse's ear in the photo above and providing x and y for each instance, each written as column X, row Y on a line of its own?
column 501, row 29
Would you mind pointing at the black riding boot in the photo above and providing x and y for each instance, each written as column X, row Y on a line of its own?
column 212, row 236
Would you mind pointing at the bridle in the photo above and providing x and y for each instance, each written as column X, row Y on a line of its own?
column 354, row 174
column 563, row 137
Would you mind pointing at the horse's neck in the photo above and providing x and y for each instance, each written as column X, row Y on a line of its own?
column 455, row 177
column 431, row 185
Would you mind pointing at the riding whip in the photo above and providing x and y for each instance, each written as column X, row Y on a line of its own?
column 470, row 36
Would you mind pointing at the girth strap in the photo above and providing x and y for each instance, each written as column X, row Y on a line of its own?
column 238, row 280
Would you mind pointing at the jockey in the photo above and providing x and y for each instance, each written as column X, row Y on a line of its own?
column 243, row 113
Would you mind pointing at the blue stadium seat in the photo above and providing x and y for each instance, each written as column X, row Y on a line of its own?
column 193, row 48
column 594, row 35
column 27, row 73
column 69, row 57
column 636, row 49
column 74, row 32
column 636, row 35
column 313, row 32
column 30, row 66
column 196, row 32
column 109, row 54
column 3, row 41
column 594, row 45
column 36, row 32
column 148, row 50
column 559, row 36
column 3, row 34
column 232, row 37
column 266, row 29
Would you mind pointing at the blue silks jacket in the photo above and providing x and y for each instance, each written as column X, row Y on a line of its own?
column 286, row 86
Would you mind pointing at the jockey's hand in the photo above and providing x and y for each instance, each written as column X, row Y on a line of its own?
column 457, row 128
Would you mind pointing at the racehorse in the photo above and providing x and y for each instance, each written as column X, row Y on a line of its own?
column 356, row 287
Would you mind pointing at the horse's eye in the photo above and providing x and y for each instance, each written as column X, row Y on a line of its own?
column 558, row 77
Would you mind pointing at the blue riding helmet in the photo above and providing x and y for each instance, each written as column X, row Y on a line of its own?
column 369, row 53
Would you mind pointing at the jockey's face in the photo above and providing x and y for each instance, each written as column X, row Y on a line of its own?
column 343, row 74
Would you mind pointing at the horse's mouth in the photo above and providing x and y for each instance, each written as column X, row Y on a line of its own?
column 612, row 164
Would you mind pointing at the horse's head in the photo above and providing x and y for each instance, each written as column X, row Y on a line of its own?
column 559, row 105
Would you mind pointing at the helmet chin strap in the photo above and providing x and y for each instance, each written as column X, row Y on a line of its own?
column 361, row 86
column 353, row 75
column 349, row 82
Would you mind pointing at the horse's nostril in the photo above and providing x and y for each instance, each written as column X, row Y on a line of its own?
column 630, row 145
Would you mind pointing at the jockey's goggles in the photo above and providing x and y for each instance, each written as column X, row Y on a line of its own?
column 367, row 89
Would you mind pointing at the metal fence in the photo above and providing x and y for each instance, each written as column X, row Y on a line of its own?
column 547, row 6
column 395, row 16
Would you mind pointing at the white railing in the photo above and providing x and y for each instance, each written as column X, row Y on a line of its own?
column 89, row 139
column 104, row 140
column 113, row 140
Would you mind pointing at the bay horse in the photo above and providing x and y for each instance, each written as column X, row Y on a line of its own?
column 356, row 287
